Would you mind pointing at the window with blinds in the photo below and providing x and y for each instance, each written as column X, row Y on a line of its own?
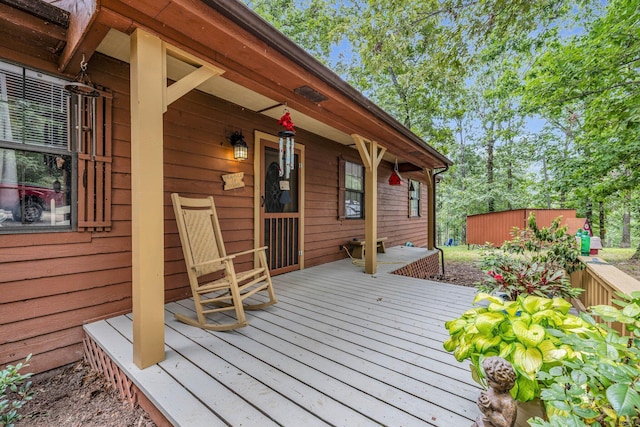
column 48, row 173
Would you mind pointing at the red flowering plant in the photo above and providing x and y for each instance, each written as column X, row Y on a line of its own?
column 536, row 262
column 512, row 276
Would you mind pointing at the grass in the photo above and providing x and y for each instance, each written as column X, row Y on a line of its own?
column 462, row 253
column 616, row 254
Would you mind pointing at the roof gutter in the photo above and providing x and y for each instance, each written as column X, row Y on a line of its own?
column 435, row 175
column 253, row 23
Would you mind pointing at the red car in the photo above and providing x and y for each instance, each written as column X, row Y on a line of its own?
column 26, row 202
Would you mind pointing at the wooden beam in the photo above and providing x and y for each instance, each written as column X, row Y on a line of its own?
column 189, row 82
column 85, row 34
column 31, row 23
column 41, row 10
column 147, row 197
column 371, row 154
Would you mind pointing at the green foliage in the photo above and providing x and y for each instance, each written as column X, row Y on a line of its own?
column 551, row 245
column 600, row 386
column 514, row 277
column 536, row 262
column 14, row 392
column 518, row 332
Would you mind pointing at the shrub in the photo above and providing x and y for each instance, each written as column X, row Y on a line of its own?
column 17, row 395
column 535, row 262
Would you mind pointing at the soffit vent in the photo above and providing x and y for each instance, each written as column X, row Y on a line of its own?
column 311, row 94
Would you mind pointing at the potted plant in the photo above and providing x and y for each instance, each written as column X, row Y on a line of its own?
column 516, row 331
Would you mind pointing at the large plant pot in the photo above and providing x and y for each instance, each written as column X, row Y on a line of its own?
column 527, row 410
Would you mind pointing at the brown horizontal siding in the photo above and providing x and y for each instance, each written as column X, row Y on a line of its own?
column 52, row 283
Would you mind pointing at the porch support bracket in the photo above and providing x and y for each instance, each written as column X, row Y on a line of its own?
column 190, row 81
column 371, row 154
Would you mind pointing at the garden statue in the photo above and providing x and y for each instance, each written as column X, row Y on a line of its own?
column 497, row 407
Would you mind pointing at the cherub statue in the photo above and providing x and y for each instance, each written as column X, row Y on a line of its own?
column 497, row 407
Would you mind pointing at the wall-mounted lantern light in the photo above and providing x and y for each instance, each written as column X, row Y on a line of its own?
column 240, row 148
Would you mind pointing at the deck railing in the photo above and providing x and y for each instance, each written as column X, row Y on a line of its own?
column 600, row 281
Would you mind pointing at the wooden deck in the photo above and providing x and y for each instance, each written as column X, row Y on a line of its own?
column 341, row 348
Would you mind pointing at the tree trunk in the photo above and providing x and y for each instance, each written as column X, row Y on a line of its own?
column 626, row 230
column 491, row 200
column 601, row 226
column 546, row 180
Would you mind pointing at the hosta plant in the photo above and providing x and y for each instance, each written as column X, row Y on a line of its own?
column 600, row 387
column 518, row 332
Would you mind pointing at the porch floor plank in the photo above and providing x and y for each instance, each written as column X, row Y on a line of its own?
column 340, row 348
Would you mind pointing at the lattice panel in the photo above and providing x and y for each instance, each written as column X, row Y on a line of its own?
column 100, row 362
column 421, row 269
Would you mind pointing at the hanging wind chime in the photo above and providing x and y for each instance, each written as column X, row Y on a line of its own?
column 286, row 156
column 82, row 106
column 286, row 145
column 395, row 178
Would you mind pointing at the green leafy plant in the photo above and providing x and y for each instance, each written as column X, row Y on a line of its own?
column 600, row 385
column 15, row 391
column 552, row 245
column 516, row 331
column 536, row 262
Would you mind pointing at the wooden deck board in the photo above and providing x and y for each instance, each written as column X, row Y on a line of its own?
column 340, row 348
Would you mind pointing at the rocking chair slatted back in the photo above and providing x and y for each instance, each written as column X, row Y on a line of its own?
column 204, row 254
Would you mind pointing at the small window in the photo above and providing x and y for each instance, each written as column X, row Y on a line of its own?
column 354, row 190
column 55, row 155
column 414, row 198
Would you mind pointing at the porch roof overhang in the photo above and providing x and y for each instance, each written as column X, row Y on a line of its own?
column 263, row 69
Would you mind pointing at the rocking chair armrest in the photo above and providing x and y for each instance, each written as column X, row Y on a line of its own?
column 250, row 251
column 214, row 261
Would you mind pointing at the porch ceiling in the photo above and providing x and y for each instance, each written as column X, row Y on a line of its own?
column 116, row 45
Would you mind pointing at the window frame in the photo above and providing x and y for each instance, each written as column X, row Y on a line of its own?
column 415, row 197
column 24, row 140
column 349, row 190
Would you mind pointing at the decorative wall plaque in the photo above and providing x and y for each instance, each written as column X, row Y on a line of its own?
column 233, row 180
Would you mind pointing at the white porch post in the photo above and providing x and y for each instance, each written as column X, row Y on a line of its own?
column 371, row 154
column 147, row 186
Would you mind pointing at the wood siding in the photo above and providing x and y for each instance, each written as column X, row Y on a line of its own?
column 53, row 283
column 495, row 227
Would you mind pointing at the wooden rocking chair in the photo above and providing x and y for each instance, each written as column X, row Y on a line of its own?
column 204, row 254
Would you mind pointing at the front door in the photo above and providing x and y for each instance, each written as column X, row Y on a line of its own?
column 280, row 210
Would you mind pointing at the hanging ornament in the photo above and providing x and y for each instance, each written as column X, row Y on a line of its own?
column 395, row 178
column 286, row 145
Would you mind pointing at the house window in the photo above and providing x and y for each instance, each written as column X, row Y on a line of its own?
column 414, row 198
column 354, row 190
column 36, row 168
column 55, row 155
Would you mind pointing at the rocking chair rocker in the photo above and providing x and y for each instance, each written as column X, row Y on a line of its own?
column 205, row 255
